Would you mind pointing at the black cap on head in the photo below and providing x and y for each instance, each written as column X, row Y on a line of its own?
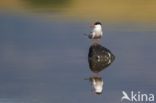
column 96, row 23
column 98, row 93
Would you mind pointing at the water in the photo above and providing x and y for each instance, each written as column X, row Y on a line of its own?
column 46, row 60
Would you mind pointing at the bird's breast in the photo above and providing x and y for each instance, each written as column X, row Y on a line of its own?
column 97, row 35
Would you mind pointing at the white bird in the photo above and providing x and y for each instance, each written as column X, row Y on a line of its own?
column 96, row 33
column 97, row 83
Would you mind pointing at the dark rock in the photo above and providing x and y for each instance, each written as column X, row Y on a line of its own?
column 99, row 58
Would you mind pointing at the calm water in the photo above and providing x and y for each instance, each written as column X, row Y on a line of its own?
column 45, row 61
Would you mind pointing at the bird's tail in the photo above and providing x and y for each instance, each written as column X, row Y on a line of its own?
column 88, row 78
column 85, row 34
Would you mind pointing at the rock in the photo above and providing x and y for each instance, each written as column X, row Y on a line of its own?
column 99, row 58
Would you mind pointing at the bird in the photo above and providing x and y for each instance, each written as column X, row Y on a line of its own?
column 96, row 32
column 97, row 83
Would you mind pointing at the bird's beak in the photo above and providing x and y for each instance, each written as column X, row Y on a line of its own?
column 93, row 91
column 92, row 25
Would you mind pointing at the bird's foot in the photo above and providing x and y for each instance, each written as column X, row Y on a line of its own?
column 98, row 74
column 97, row 41
column 95, row 74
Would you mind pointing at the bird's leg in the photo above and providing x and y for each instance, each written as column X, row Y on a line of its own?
column 98, row 74
column 93, row 74
column 93, row 41
column 97, row 41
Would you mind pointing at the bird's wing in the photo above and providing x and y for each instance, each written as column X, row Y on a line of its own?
column 85, row 34
column 88, row 35
column 91, row 35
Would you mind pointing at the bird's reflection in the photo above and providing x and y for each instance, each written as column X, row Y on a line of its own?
column 97, row 83
column 99, row 58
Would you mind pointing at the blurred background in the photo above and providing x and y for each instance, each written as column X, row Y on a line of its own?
column 107, row 10
column 44, row 55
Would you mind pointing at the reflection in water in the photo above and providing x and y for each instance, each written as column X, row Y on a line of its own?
column 97, row 84
column 99, row 58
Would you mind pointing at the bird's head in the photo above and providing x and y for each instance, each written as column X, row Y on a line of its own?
column 96, row 24
column 97, row 92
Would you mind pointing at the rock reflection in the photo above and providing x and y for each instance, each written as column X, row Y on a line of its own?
column 99, row 58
